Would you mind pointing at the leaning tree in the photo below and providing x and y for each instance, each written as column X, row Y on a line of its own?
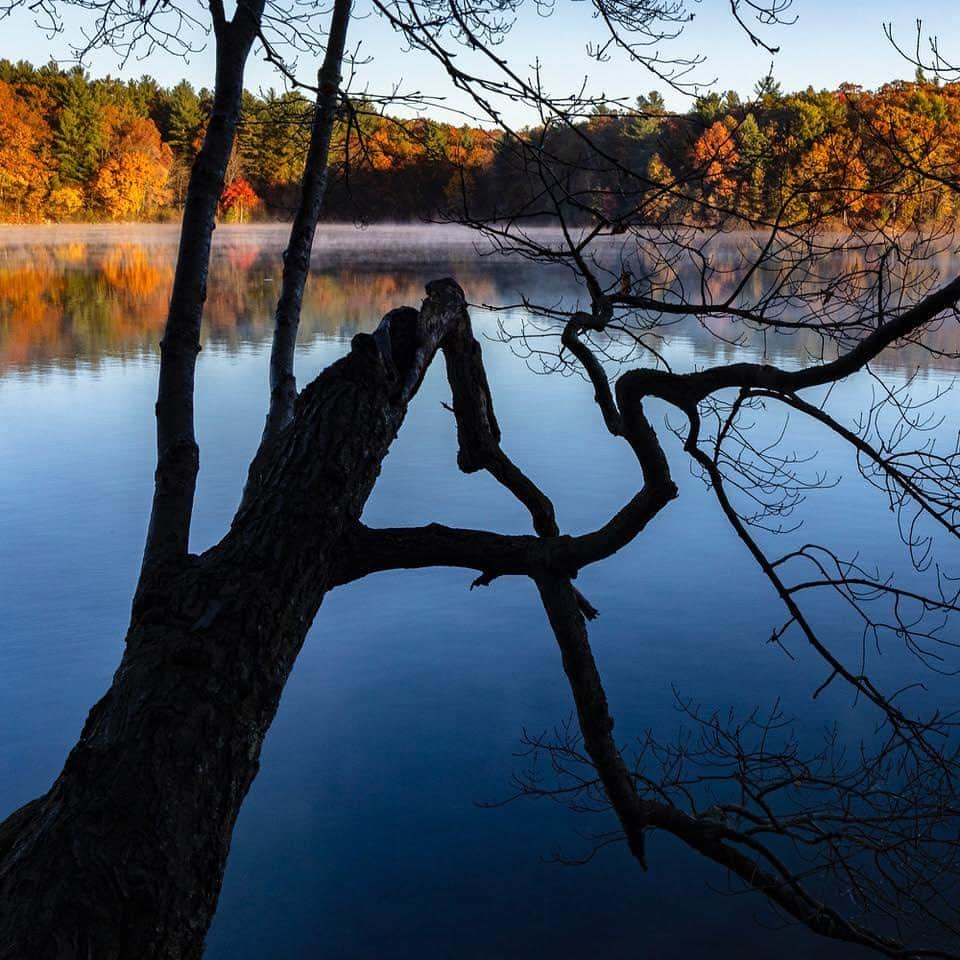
column 124, row 855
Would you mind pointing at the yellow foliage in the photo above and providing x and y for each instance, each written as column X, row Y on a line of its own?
column 132, row 183
column 24, row 137
column 64, row 203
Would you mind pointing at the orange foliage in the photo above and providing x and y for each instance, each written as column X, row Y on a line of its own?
column 387, row 144
column 64, row 203
column 835, row 175
column 25, row 171
column 132, row 183
column 129, row 269
column 470, row 148
column 715, row 155
column 886, row 156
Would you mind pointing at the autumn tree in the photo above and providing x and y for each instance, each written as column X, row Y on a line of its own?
column 403, row 168
column 132, row 181
column 25, row 167
column 715, row 153
column 238, row 199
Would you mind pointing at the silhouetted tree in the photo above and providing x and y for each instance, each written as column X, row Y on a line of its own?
column 124, row 855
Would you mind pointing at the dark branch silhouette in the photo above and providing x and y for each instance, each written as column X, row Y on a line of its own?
column 124, row 855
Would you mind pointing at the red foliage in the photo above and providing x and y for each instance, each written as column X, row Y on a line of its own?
column 238, row 197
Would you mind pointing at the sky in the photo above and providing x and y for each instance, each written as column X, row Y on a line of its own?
column 829, row 43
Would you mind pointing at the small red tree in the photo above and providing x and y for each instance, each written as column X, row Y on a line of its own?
column 237, row 198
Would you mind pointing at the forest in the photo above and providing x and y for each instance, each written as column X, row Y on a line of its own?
column 74, row 148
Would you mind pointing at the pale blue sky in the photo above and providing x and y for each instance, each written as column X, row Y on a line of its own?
column 831, row 42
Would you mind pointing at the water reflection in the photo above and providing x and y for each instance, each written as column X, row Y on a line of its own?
column 406, row 703
column 80, row 295
column 97, row 294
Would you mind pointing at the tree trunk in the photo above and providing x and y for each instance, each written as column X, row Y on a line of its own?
column 124, row 856
column 296, row 258
column 178, row 456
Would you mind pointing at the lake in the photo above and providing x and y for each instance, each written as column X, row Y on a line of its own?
column 366, row 833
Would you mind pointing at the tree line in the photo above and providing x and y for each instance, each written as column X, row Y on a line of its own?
column 77, row 148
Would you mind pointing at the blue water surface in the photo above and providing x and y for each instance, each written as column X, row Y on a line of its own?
column 365, row 833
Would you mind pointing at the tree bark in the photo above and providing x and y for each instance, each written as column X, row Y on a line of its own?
column 123, row 857
column 178, row 456
column 296, row 258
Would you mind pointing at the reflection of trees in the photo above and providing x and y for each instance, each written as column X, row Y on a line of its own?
column 69, row 302
column 86, row 301
column 30, row 320
column 60, row 303
column 716, row 336
column 130, row 270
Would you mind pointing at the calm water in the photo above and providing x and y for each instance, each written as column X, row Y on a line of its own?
column 363, row 835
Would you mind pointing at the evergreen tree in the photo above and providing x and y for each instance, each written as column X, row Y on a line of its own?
column 78, row 140
column 181, row 119
column 766, row 90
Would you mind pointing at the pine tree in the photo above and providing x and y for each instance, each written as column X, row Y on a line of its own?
column 78, row 141
column 181, row 120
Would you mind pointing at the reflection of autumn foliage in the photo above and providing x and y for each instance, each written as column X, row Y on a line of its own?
column 243, row 257
column 72, row 252
column 30, row 311
column 70, row 302
column 129, row 268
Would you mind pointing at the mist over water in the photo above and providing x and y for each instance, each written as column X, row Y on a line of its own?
column 362, row 835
